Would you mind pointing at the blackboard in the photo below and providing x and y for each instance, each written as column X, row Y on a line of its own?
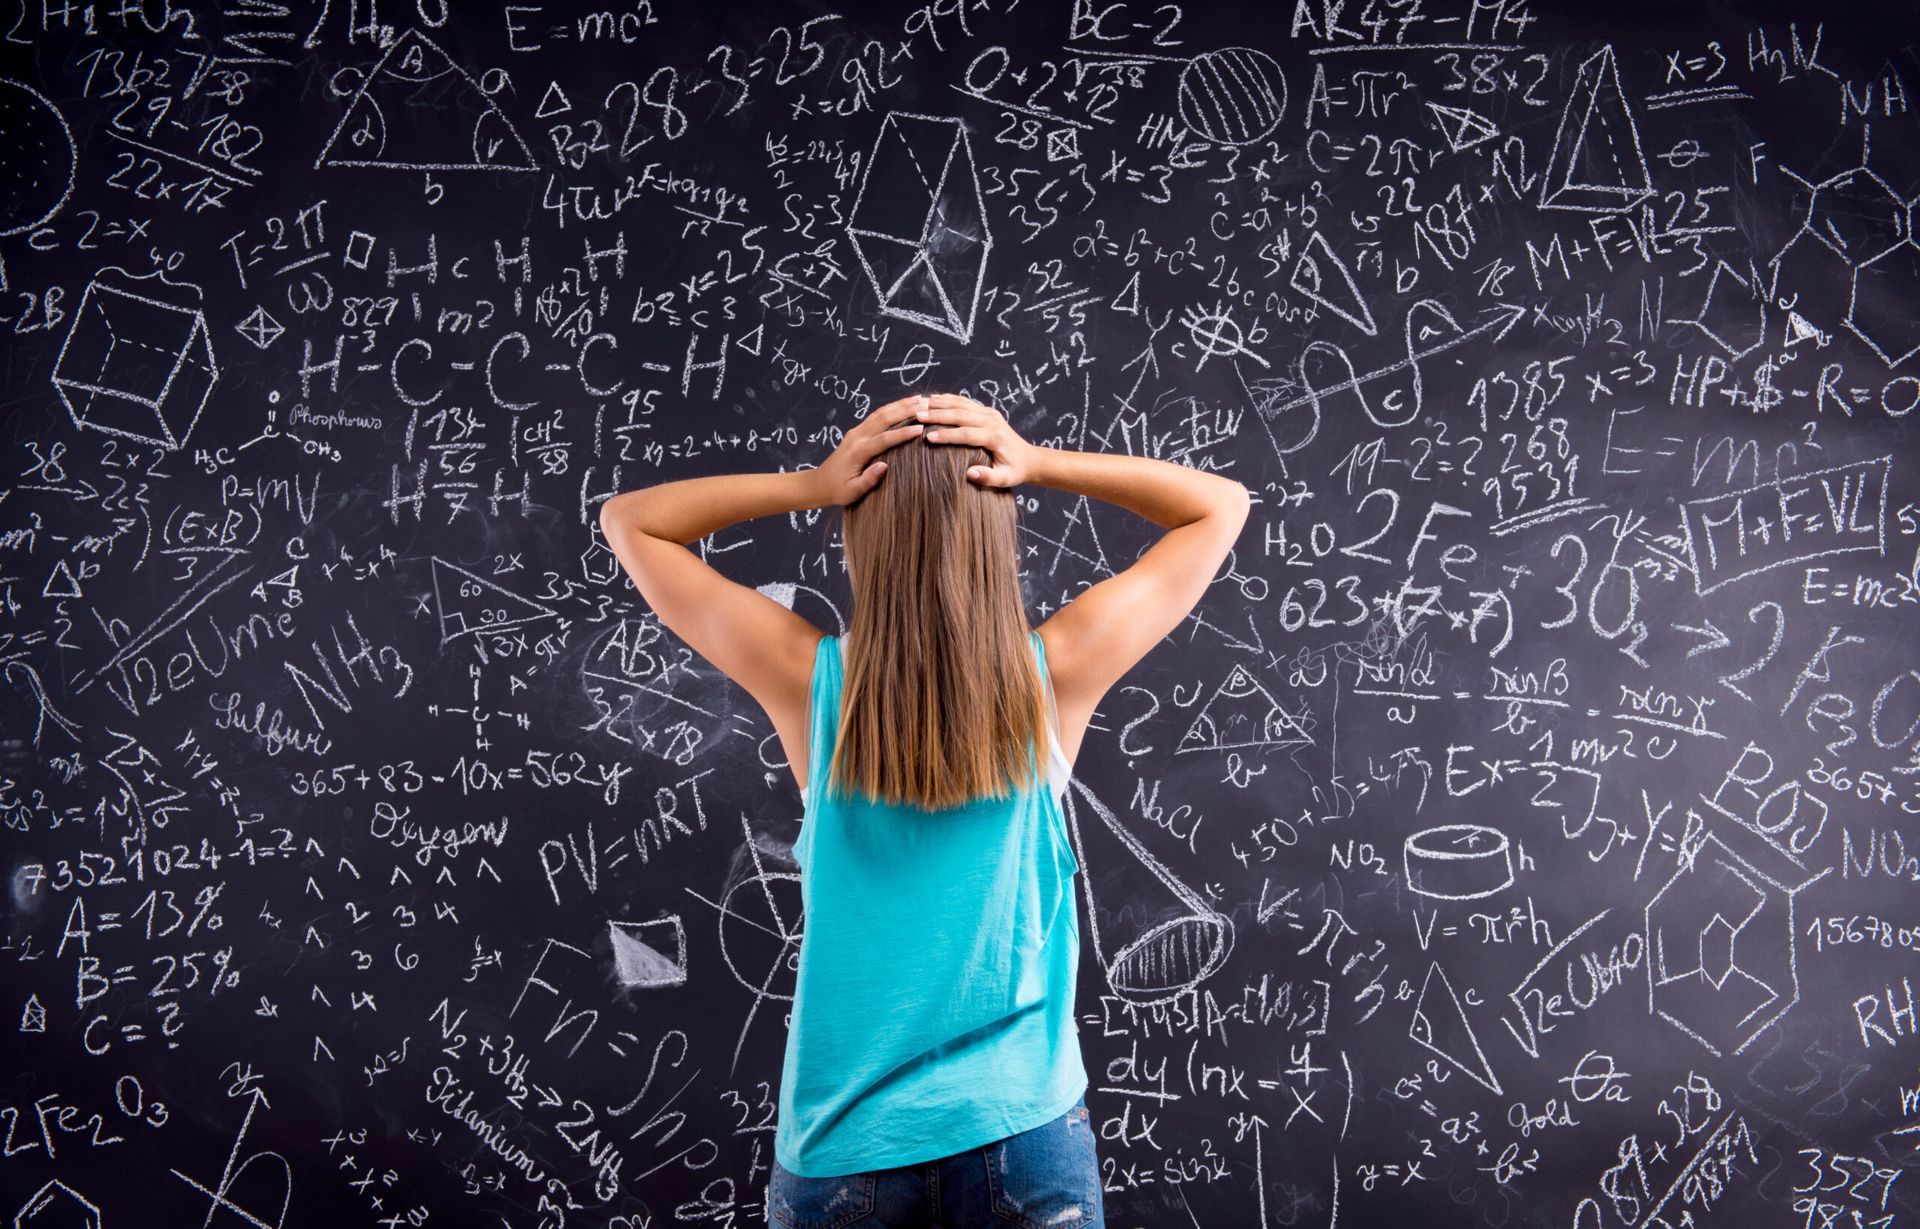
column 1520, row 832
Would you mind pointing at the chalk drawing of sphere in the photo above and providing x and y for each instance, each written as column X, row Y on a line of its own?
column 37, row 158
column 1233, row 95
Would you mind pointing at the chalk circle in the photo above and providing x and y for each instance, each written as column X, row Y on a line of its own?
column 1233, row 95
column 37, row 158
column 1170, row 959
column 1458, row 861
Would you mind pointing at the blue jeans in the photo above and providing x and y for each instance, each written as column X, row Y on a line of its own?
column 1046, row 1177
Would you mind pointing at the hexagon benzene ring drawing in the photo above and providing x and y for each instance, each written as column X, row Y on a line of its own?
column 1721, row 955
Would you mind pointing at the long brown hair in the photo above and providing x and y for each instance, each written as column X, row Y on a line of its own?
column 942, row 694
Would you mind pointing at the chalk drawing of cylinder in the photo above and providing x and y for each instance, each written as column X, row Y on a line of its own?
column 1458, row 862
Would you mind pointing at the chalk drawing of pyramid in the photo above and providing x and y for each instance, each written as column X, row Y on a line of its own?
column 1597, row 165
column 417, row 110
column 1242, row 713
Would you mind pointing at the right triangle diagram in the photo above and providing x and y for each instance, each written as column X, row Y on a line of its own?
column 1440, row 1024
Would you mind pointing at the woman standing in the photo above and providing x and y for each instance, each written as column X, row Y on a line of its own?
column 932, row 1073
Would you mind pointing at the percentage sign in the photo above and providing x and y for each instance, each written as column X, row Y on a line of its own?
column 223, row 974
column 205, row 898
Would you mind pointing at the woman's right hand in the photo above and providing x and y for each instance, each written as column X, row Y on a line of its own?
column 982, row 426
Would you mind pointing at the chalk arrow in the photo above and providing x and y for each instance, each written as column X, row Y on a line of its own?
column 1711, row 638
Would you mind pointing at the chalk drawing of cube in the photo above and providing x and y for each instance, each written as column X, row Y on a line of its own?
column 919, row 224
column 136, row 367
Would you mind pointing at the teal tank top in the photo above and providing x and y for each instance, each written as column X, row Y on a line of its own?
column 933, row 1012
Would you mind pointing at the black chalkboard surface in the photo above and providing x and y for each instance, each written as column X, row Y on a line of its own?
column 1521, row 832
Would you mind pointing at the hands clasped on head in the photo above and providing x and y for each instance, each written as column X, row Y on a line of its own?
column 945, row 418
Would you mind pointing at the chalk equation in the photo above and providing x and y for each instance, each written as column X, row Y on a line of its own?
column 1523, row 830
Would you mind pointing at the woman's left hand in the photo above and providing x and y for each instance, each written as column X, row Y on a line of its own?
column 852, row 471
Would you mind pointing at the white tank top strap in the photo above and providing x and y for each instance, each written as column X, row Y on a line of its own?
column 1058, row 769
